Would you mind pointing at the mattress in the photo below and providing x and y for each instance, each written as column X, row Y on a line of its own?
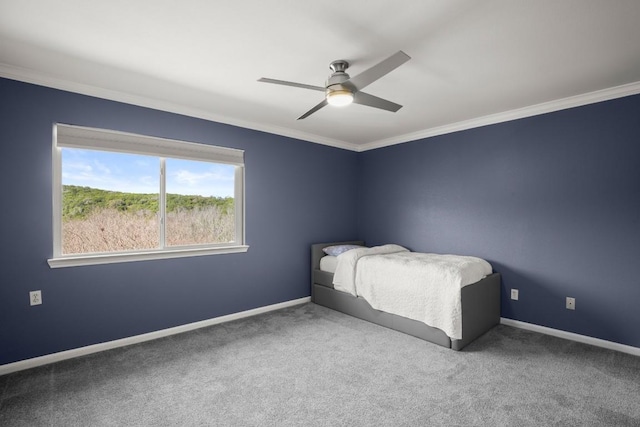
column 329, row 263
column 418, row 286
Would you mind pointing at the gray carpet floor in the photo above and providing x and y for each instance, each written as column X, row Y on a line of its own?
column 311, row 366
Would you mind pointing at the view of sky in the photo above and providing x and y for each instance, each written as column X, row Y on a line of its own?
column 132, row 173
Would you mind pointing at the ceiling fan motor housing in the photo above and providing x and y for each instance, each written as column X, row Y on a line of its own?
column 336, row 81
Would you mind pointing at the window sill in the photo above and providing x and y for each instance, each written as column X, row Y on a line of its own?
column 80, row 260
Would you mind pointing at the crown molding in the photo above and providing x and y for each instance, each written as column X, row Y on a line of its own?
column 506, row 116
column 41, row 79
column 30, row 76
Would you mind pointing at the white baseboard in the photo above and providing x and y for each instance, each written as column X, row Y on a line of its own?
column 572, row 337
column 83, row 351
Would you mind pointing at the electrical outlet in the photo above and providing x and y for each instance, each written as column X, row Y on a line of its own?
column 571, row 303
column 514, row 294
column 35, row 297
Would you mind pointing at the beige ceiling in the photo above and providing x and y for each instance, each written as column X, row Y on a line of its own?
column 473, row 62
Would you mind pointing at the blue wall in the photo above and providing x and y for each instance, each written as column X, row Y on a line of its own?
column 552, row 201
column 93, row 304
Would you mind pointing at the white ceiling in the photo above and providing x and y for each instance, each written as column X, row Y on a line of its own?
column 473, row 62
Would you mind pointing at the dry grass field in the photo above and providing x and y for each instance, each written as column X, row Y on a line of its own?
column 110, row 230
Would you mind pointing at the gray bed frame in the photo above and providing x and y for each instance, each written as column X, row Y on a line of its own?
column 480, row 305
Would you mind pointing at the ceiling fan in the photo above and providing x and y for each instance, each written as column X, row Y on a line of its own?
column 341, row 89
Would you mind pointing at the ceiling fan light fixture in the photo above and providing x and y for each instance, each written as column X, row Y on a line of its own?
column 339, row 97
column 340, row 89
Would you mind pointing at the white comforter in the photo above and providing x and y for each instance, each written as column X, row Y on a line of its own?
column 422, row 287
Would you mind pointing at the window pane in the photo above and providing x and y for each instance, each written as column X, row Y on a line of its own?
column 109, row 201
column 200, row 204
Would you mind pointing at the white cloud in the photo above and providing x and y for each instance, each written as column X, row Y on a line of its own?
column 190, row 178
column 102, row 168
column 79, row 167
column 208, row 183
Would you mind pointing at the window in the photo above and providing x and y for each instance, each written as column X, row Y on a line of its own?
column 123, row 197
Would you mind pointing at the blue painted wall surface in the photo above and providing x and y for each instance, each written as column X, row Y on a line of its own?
column 552, row 201
column 93, row 304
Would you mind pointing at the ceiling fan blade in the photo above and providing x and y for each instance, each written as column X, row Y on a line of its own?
column 313, row 110
column 363, row 98
column 285, row 83
column 369, row 76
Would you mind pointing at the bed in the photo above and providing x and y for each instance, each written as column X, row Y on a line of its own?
column 479, row 301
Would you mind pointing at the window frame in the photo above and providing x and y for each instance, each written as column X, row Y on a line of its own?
column 70, row 136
